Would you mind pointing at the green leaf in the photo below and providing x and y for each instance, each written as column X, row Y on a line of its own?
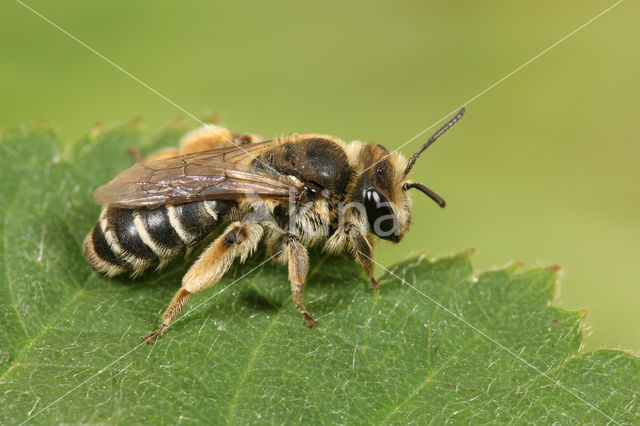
column 71, row 341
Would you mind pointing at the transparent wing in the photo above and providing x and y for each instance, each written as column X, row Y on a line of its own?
column 220, row 174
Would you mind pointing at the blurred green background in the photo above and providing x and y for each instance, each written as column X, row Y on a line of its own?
column 543, row 169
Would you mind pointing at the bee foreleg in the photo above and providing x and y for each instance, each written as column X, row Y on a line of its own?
column 287, row 248
column 238, row 240
column 362, row 250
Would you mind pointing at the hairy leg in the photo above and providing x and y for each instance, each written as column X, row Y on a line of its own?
column 351, row 237
column 238, row 240
column 204, row 138
column 288, row 249
column 211, row 136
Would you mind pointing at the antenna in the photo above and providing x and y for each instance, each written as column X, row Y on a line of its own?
column 420, row 187
column 431, row 140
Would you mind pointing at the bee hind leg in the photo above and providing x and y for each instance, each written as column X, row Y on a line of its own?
column 176, row 305
column 238, row 240
column 211, row 136
column 203, row 138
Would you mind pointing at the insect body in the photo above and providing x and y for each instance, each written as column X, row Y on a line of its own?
column 293, row 192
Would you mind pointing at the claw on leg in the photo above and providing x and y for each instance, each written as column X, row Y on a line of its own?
column 375, row 285
column 310, row 321
column 150, row 338
column 135, row 152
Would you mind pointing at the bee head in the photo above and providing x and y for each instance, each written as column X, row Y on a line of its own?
column 379, row 190
column 383, row 187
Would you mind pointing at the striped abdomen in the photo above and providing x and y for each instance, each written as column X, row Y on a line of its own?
column 131, row 240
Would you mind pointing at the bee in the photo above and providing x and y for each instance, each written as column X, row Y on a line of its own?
column 292, row 192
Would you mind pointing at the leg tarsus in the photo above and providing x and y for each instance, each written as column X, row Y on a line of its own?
column 362, row 250
column 298, row 260
column 150, row 338
column 375, row 285
column 310, row 321
column 136, row 153
column 176, row 305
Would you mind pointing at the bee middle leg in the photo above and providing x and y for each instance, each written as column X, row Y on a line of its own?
column 289, row 250
column 238, row 240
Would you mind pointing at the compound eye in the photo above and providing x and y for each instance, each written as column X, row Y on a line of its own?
column 382, row 221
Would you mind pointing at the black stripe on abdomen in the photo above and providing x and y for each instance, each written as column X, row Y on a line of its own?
column 99, row 254
column 156, row 231
column 132, row 240
column 194, row 221
column 122, row 222
column 124, row 239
